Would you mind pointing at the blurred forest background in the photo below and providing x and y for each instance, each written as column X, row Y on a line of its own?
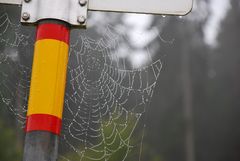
column 194, row 113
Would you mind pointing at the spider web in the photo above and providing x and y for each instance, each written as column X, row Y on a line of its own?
column 14, row 75
column 106, row 98
column 106, row 102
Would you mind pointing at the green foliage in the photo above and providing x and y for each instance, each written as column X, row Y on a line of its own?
column 9, row 150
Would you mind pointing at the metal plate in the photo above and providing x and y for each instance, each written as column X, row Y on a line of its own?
column 168, row 7
column 66, row 10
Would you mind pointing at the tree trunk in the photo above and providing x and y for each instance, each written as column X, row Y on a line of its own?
column 187, row 105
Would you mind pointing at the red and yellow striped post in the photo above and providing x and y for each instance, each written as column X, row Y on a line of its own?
column 46, row 99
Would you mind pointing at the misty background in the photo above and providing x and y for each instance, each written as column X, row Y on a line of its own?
column 194, row 111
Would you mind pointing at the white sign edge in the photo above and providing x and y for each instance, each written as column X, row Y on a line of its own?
column 125, row 9
column 19, row 2
column 11, row 1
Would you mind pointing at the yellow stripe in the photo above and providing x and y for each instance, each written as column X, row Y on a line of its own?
column 48, row 78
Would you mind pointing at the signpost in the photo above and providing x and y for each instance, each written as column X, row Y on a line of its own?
column 53, row 19
column 166, row 7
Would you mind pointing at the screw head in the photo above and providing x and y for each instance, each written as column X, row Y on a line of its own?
column 25, row 16
column 27, row 1
column 81, row 19
column 82, row 2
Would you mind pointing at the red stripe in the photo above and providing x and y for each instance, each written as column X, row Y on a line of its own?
column 53, row 31
column 43, row 122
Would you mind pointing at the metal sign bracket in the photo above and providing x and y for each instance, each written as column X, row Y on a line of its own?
column 73, row 12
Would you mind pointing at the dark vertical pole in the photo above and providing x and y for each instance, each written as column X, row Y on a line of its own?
column 47, row 90
column 187, row 106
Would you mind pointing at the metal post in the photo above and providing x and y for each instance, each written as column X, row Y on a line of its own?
column 47, row 90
